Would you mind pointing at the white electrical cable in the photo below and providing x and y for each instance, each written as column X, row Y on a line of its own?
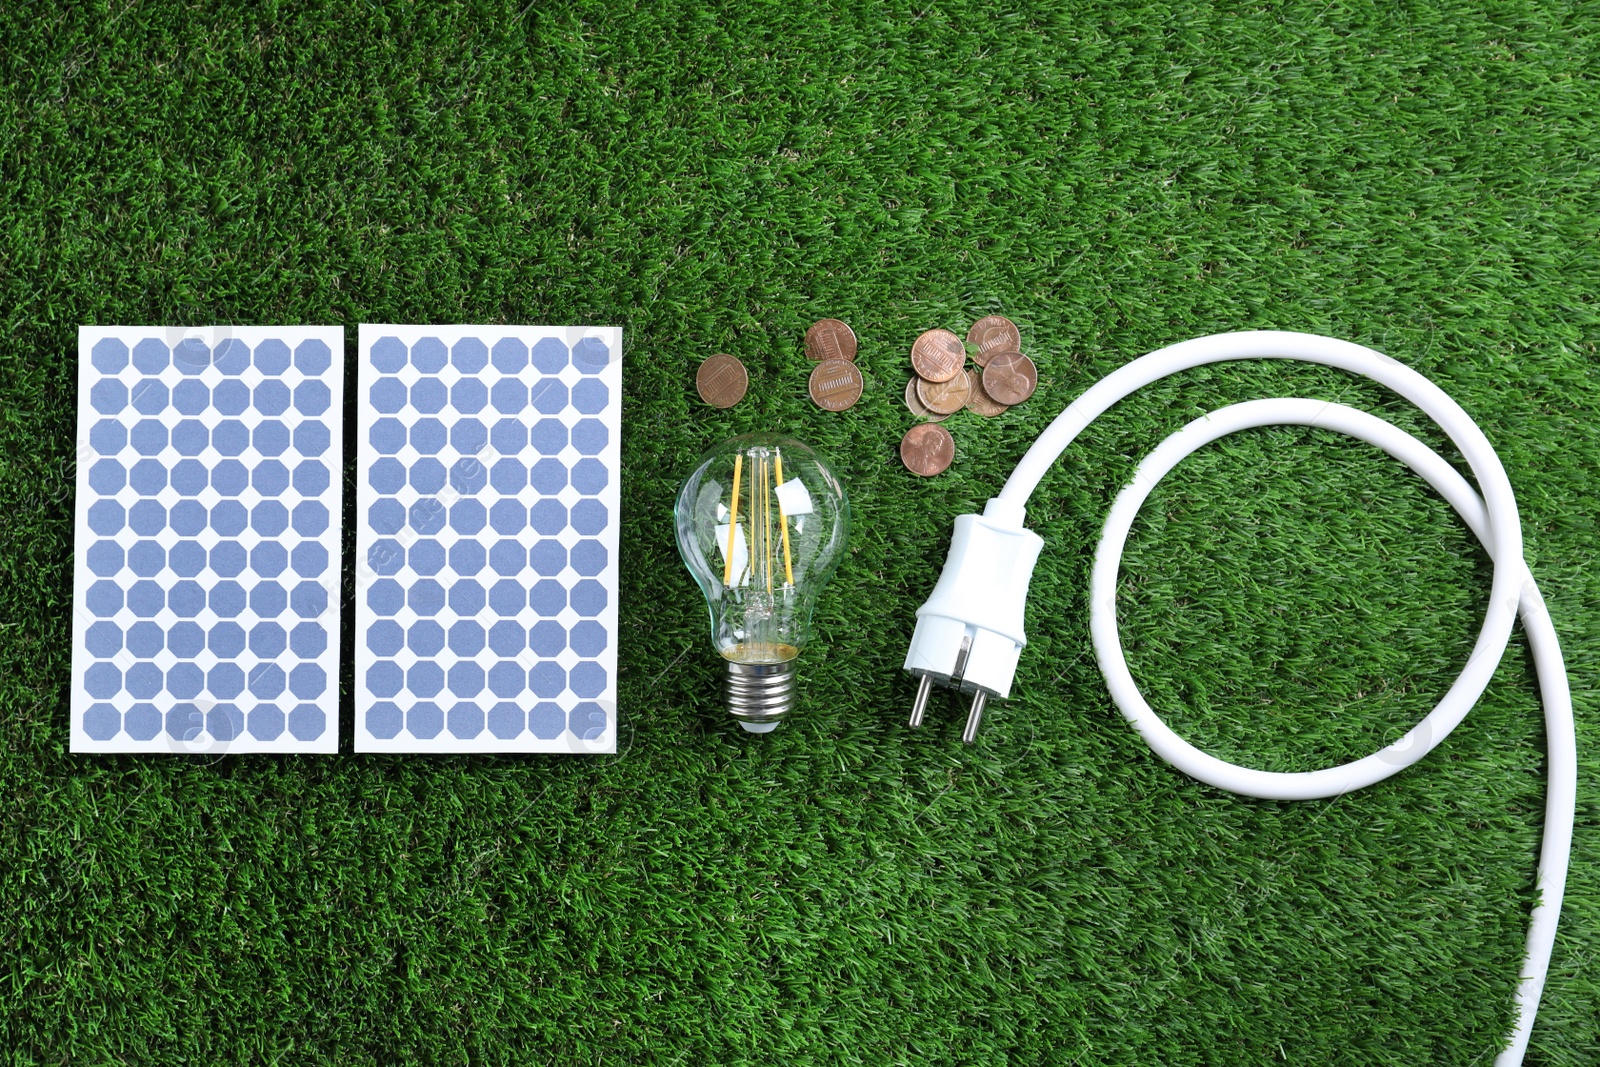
column 1493, row 518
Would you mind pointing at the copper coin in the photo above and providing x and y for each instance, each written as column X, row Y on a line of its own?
column 945, row 397
column 993, row 333
column 1010, row 377
column 722, row 381
column 980, row 401
column 937, row 355
column 927, row 449
column 915, row 405
column 835, row 384
column 831, row 339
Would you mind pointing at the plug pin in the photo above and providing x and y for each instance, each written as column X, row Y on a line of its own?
column 970, row 734
column 920, row 705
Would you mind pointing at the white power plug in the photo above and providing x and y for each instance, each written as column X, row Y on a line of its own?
column 969, row 633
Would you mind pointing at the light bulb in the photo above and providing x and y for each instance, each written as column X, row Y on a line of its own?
column 762, row 523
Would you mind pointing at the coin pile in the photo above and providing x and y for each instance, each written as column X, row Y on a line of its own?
column 836, row 381
column 943, row 385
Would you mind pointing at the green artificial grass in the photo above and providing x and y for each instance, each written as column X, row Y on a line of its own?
column 1419, row 177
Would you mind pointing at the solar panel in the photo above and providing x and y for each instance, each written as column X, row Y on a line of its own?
column 206, row 596
column 486, row 572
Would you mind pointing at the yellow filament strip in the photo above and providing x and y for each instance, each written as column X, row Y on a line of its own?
column 733, row 520
column 783, row 521
column 766, row 519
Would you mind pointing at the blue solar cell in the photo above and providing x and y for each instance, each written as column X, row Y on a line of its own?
column 148, row 437
column 508, row 476
column 427, row 557
column 271, row 437
column 588, row 517
column 108, row 396
column 272, row 357
column 508, row 557
column 550, row 356
column 109, row 355
column 425, row 678
column 507, row 638
column 384, row 678
column 312, row 357
column 547, row 637
column 146, row 599
column 549, row 476
column 468, row 476
column 310, row 518
column 267, row 680
column 469, row 355
column 427, row 516
column 588, row 598
column 102, row 721
column 469, row 396
column 428, row 355
column 507, row 597
column 269, row 559
column 510, row 355
column 268, row 600
column 191, row 355
column 387, row 475
column 229, row 518
column 185, row 722
column 271, row 397
column 426, row 596
column 469, row 437
column 225, row 721
column 385, row 556
column 429, row 396
column 590, row 396
column 151, row 356
column 467, row 598
column 506, row 720
column 147, row 517
column 227, row 600
column 226, row 639
column 587, row 638
column 312, row 397
column 547, row 679
column 468, row 516
column 106, row 517
column 587, row 679
column 270, row 477
column 149, row 476
column 145, row 639
column 228, row 559
column 587, row 720
column 189, row 477
column 466, row 638
column 232, row 397
column 186, row 680
column 385, row 637
column 509, row 437
column 230, row 437
column 388, row 354
column 105, row 558
column 384, row 720
column 309, row 559
column 550, row 396
column 508, row 396
column 225, row 680
column 191, row 397
column 388, row 395
column 190, row 437
column 424, row 720
column 103, row 639
column 590, row 355
column 588, row 558
column 188, row 517
column 466, row 721
column 465, row 678
column 147, row 558
column 142, row 722
column 107, row 476
column 232, row 356
column 428, row 436
column 268, row 640
column 427, row 475
column 548, row 557
column 311, row 478
column 229, row 477
column 308, row 640
column 108, row 437
column 185, row 639
column 387, row 516
column 467, row 558
column 312, row 438
column 265, row 722
column 547, row 721
column 548, row 517
column 149, row 396
column 589, row 436
column 425, row 638
column 509, row 517
column 102, row 680
column 307, row 721
column 549, row 436
column 547, row 597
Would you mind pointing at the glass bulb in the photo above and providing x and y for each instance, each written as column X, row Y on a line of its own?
column 762, row 524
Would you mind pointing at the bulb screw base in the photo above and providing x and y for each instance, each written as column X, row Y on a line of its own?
column 760, row 694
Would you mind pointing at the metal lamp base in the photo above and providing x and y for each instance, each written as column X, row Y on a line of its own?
column 760, row 694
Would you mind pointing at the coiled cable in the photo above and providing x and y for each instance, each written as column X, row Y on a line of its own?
column 1492, row 517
